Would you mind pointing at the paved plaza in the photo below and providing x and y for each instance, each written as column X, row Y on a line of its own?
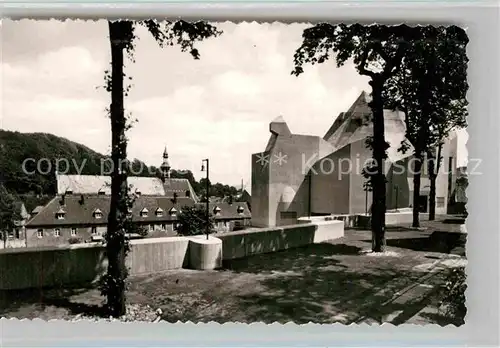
column 340, row 281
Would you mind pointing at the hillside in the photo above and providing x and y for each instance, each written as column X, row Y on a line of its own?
column 30, row 148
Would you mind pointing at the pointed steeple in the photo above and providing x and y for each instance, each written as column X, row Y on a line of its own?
column 165, row 166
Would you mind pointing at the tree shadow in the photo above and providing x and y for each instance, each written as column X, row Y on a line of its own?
column 13, row 300
column 76, row 308
column 329, row 294
column 438, row 241
column 291, row 260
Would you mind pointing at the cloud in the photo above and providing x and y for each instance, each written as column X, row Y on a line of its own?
column 217, row 107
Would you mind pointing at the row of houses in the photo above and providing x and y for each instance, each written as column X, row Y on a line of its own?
column 79, row 211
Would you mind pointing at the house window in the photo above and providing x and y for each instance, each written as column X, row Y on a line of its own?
column 439, row 202
column 57, row 232
column 240, row 209
column 39, row 233
column 97, row 214
column 173, row 211
column 94, row 231
column 151, row 228
column 60, row 216
column 73, row 231
column 163, row 227
column 144, row 212
column 159, row 212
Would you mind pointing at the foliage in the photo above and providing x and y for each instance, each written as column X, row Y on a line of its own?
column 193, row 221
column 431, row 89
column 431, row 86
column 377, row 52
column 74, row 240
column 454, row 302
column 9, row 213
column 42, row 148
column 38, row 188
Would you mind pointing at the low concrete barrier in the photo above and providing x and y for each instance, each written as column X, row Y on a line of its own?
column 80, row 264
column 350, row 221
column 392, row 218
column 205, row 254
column 260, row 240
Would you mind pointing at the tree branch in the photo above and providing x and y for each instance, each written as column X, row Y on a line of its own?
column 362, row 67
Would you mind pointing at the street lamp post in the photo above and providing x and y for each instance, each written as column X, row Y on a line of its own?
column 207, row 188
column 396, row 187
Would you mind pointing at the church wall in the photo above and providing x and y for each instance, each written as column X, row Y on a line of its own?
column 330, row 185
column 260, row 192
column 398, row 186
column 446, row 179
column 289, row 194
column 357, row 195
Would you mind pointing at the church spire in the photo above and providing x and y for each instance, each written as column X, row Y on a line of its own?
column 165, row 166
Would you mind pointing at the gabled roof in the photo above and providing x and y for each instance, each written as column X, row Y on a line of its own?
column 149, row 186
column 228, row 211
column 81, row 213
column 37, row 209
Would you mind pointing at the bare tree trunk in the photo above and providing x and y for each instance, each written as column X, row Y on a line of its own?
column 115, row 236
column 378, row 178
column 433, row 172
column 417, row 169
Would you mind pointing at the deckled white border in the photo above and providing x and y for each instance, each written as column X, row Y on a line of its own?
column 482, row 21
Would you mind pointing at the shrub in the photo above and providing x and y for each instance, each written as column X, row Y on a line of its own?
column 193, row 221
column 453, row 303
column 75, row 240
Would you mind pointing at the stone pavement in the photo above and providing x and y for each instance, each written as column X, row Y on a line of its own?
column 339, row 281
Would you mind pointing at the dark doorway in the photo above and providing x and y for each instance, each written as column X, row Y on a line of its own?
column 422, row 204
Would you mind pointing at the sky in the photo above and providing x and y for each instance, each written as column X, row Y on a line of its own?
column 218, row 107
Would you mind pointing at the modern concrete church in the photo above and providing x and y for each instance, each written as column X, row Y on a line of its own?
column 305, row 175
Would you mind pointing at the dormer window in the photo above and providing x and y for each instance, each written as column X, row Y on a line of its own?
column 240, row 209
column 101, row 192
column 60, row 214
column 217, row 210
column 144, row 212
column 97, row 214
column 159, row 212
column 173, row 212
column 69, row 192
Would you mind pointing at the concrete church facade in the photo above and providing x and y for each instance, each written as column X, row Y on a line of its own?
column 303, row 175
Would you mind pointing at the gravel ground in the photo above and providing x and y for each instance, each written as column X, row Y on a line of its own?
column 331, row 282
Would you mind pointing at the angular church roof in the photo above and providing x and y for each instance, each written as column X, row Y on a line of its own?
column 356, row 124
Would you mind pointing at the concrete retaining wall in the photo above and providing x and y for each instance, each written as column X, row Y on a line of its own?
column 84, row 263
column 257, row 241
column 364, row 221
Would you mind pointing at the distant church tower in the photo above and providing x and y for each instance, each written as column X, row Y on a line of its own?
column 165, row 166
